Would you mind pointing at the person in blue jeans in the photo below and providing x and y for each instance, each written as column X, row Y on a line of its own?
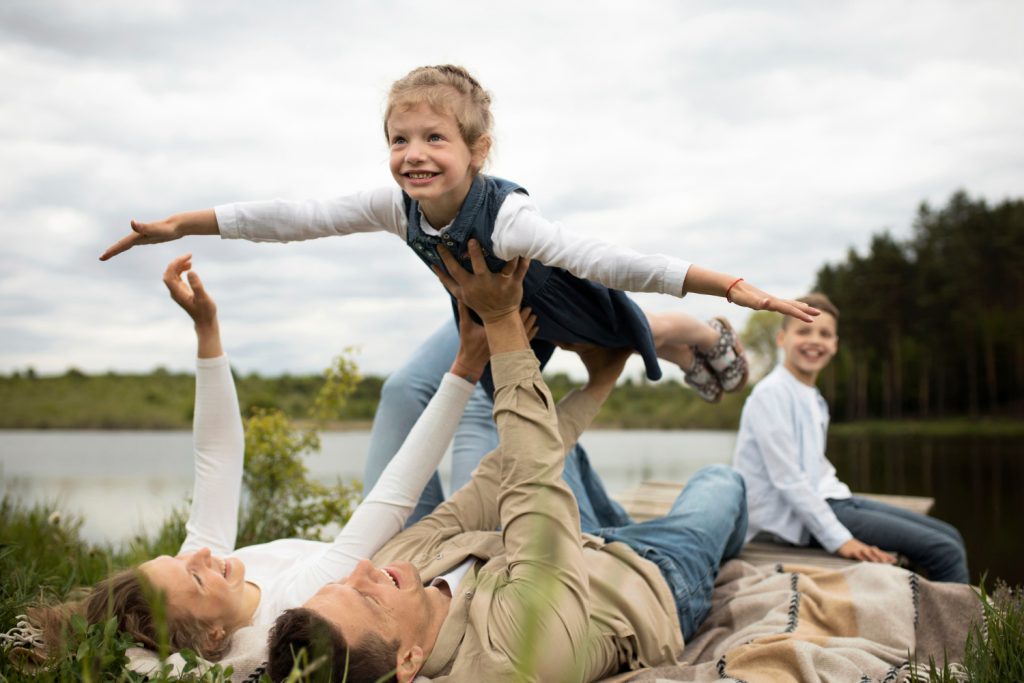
column 793, row 493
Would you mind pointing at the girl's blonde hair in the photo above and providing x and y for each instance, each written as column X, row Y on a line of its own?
column 449, row 89
column 130, row 597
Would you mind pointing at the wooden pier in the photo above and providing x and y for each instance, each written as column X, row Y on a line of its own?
column 654, row 498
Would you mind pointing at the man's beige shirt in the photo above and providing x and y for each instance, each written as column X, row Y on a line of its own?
column 543, row 602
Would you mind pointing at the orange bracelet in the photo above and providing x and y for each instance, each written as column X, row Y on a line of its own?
column 729, row 288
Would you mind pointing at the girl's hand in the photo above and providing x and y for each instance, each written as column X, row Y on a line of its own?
column 745, row 294
column 144, row 233
column 180, row 224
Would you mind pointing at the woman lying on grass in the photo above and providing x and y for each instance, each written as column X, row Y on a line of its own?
column 210, row 589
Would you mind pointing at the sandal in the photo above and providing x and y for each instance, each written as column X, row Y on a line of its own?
column 726, row 359
column 703, row 379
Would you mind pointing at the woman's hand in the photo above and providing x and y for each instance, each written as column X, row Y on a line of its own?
column 192, row 297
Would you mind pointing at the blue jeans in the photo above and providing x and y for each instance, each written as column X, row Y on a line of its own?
column 929, row 543
column 405, row 395
column 705, row 527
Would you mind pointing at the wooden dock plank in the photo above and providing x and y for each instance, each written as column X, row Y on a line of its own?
column 653, row 498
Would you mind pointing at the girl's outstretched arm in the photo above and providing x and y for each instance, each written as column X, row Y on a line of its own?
column 277, row 220
column 202, row 222
column 740, row 292
column 520, row 230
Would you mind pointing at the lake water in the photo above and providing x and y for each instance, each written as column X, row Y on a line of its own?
column 123, row 482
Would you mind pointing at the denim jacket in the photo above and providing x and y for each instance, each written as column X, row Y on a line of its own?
column 568, row 309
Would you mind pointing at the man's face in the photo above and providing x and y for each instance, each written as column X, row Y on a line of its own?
column 390, row 601
column 808, row 347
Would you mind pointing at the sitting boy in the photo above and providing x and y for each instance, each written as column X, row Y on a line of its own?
column 793, row 493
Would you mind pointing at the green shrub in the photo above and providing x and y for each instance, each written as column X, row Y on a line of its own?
column 44, row 559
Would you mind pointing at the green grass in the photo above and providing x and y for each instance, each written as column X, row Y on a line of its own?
column 43, row 557
column 994, row 652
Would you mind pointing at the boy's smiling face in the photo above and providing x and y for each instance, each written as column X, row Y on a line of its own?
column 808, row 347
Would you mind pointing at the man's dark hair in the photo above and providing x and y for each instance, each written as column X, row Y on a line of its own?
column 301, row 629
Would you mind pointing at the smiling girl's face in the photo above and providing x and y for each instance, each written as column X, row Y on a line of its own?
column 431, row 162
column 207, row 588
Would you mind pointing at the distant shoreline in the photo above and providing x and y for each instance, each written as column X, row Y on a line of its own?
column 941, row 427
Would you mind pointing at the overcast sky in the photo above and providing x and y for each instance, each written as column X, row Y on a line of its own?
column 763, row 139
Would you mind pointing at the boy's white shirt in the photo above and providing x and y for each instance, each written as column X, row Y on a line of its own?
column 780, row 452
column 289, row 571
column 519, row 230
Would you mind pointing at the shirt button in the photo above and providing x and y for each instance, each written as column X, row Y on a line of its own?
column 438, row 556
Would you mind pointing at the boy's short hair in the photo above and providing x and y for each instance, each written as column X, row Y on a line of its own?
column 819, row 301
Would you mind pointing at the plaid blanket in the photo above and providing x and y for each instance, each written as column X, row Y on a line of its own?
column 799, row 623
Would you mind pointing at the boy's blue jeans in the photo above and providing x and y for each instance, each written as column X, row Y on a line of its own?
column 929, row 543
column 705, row 526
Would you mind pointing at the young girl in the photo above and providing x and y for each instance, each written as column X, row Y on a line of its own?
column 438, row 124
column 213, row 589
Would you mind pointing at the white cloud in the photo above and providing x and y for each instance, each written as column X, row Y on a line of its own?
column 762, row 139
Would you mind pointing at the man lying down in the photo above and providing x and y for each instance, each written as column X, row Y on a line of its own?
column 450, row 598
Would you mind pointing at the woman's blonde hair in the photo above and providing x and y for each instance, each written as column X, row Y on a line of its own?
column 449, row 89
column 130, row 597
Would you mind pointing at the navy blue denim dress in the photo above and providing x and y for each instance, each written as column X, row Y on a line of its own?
column 568, row 309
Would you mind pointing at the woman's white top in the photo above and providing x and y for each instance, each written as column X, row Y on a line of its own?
column 519, row 230
column 289, row 571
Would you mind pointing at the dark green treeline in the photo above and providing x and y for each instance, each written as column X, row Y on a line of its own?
column 932, row 326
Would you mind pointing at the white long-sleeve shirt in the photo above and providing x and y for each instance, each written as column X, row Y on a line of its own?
column 289, row 571
column 780, row 452
column 519, row 230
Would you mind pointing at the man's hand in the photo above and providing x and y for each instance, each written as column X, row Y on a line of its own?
column 474, row 353
column 855, row 550
column 189, row 223
column 603, row 367
column 494, row 296
column 491, row 295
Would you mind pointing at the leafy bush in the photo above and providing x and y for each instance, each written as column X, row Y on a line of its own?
column 44, row 559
